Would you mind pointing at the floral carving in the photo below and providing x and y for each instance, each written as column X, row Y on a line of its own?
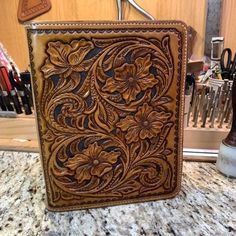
column 108, row 115
column 130, row 79
column 65, row 58
column 146, row 123
column 93, row 161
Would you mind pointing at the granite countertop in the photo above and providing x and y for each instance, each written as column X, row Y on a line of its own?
column 205, row 206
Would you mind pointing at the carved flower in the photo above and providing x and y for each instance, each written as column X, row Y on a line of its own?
column 146, row 123
column 92, row 162
column 130, row 79
column 66, row 58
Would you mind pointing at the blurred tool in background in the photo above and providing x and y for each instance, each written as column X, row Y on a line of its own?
column 211, row 106
column 228, row 64
column 135, row 6
column 226, row 160
column 5, row 78
column 15, row 88
column 217, row 45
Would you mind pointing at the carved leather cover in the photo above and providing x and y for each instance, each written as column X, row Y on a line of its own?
column 109, row 101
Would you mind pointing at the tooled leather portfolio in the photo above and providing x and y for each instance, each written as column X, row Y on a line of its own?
column 109, row 100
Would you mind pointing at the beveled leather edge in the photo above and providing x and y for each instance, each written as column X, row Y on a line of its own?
column 36, row 115
column 114, row 203
column 100, row 24
column 128, row 24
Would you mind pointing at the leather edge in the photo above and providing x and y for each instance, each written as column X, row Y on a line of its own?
column 114, row 203
column 32, row 70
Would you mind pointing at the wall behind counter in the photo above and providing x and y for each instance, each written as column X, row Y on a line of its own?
column 13, row 36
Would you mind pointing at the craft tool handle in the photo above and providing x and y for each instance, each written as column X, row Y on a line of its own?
column 231, row 138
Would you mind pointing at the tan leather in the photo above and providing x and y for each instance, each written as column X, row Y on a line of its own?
column 109, row 101
column 29, row 9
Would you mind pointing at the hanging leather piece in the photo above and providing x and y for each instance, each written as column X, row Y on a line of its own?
column 29, row 9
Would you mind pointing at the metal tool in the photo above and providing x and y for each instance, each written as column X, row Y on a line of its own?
column 211, row 101
column 211, row 106
column 215, row 108
column 217, row 45
column 203, row 93
column 214, row 113
column 135, row 5
column 214, row 105
column 193, row 105
column 228, row 111
column 222, row 99
column 224, row 111
column 196, row 111
column 230, row 121
column 205, row 111
column 228, row 66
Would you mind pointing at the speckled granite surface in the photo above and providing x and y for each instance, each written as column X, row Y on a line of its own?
column 205, row 206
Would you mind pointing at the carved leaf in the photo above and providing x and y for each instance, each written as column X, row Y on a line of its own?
column 129, row 187
column 101, row 117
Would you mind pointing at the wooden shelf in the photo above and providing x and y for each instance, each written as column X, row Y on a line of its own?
column 19, row 134
column 204, row 138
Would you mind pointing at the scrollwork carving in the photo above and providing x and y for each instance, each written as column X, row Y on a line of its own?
column 107, row 108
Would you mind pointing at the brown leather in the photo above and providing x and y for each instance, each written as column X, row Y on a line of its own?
column 109, row 101
column 29, row 9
